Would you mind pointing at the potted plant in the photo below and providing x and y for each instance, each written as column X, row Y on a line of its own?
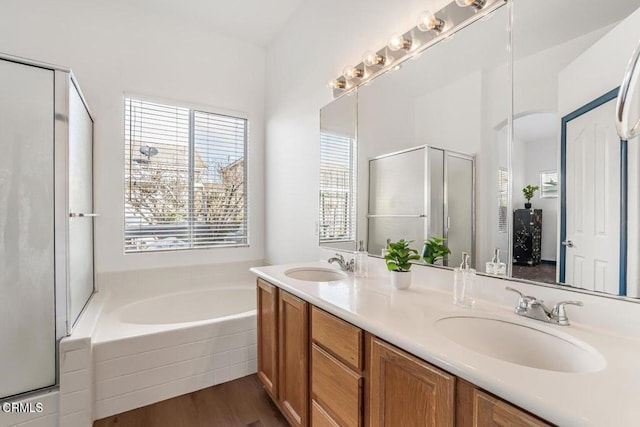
column 434, row 250
column 528, row 192
column 398, row 258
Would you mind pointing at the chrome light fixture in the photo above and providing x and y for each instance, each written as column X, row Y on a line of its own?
column 431, row 27
column 428, row 21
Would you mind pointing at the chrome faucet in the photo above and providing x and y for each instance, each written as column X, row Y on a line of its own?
column 344, row 266
column 533, row 308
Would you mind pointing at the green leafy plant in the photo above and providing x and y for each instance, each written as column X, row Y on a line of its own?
column 399, row 255
column 434, row 249
column 529, row 191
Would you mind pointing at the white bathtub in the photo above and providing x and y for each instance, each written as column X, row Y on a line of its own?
column 153, row 344
column 213, row 304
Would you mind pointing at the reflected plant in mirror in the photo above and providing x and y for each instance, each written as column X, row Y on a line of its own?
column 435, row 250
column 529, row 191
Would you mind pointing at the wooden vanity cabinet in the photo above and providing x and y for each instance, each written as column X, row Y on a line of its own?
column 406, row 391
column 325, row 372
column 283, row 350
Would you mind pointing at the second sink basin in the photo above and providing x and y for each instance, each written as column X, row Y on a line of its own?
column 521, row 344
column 315, row 274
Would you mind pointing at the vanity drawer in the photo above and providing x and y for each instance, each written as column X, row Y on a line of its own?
column 320, row 418
column 336, row 387
column 340, row 338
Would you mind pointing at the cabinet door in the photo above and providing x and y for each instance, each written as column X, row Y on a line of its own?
column 491, row 411
column 294, row 356
column 406, row 391
column 267, row 306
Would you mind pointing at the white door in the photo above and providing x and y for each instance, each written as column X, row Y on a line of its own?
column 593, row 201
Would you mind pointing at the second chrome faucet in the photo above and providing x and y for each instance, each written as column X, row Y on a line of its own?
column 533, row 308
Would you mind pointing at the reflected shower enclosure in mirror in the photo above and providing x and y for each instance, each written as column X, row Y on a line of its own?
column 566, row 78
column 448, row 108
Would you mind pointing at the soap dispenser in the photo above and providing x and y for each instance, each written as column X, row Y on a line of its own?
column 361, row 268
column 499, row 268
column 495, row 266
column 463, row 280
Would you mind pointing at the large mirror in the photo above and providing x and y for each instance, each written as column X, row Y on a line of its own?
column 582, row 226
column 579, row 223
column 432, row 152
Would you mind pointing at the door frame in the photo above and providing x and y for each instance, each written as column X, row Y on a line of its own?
column 622, row 281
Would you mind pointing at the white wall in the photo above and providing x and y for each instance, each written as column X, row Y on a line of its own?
column 320, row 39
column 114, row 48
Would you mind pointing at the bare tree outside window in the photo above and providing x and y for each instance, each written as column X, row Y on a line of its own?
column 185, row 178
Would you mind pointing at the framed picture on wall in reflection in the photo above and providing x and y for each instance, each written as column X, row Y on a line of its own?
column 548, row 184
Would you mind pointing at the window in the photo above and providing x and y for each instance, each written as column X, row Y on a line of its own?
column 185, row 178
column 337, row 221
column 503, row 199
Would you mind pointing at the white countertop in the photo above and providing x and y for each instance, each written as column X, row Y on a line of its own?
column 610, row 397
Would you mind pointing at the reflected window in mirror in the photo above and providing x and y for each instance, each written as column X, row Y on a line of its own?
column 503, row 200
column 337, row 188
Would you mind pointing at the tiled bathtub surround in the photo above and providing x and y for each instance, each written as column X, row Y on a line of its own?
column 109, row 366
column 140, row 370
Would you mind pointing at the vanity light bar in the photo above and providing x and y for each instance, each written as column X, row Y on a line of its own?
column 430, row 29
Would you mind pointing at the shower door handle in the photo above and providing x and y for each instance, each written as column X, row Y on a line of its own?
column 82, row 215
column 625, row 130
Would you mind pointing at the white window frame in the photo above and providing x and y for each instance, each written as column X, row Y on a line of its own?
column 193, row 110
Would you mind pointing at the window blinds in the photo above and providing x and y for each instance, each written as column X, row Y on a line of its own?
column 185, row 178
column 337, row 222
column 503, row 200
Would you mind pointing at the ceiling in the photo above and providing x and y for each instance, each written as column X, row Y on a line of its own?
column 254, row 21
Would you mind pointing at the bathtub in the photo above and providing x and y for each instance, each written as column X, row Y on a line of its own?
column 151, row 343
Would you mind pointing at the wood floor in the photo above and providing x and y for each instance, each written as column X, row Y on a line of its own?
column 242, row 402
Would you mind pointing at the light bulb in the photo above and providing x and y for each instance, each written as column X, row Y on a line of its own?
column 428, row 21
column 350, row 72
column 336, row 84
column 397, row 42
column 477, row 4
column 371, row 58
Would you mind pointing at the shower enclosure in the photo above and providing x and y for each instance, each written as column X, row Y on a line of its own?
column 46, row 219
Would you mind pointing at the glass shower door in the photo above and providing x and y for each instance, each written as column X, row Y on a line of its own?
column 81, row 216
column 27, row 275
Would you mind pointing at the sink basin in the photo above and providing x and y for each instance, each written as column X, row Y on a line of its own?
column 315, row 274
column 522, row 345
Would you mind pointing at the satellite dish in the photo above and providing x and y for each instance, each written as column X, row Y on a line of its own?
column 149, row 151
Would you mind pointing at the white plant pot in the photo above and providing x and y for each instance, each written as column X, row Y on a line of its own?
column 401, row 279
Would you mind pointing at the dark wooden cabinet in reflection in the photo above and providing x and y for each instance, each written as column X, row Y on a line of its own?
column 527, row 236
